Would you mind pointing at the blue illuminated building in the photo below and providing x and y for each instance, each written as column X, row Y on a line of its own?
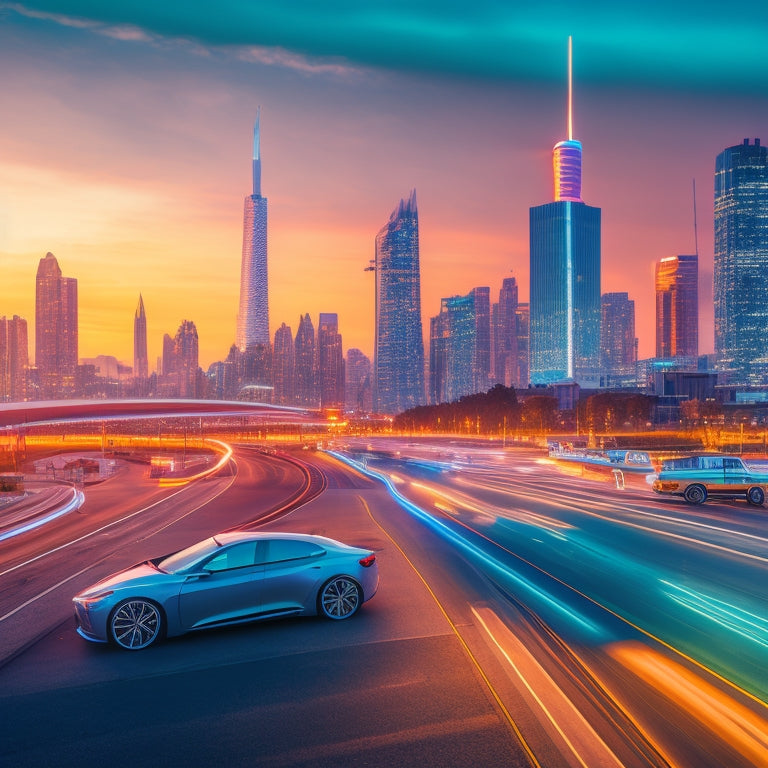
column 741, row 263
column 399, row 346
column 565, row 309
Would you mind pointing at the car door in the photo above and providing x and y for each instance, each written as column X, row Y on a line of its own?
column 736, row 476
column 224, row 588
column 292, row 570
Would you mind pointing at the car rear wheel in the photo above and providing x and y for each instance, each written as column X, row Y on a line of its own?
column 340, row 598
column 135, row 624
column 695, row 494
column 756, row 496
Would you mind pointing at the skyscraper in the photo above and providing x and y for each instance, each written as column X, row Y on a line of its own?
column 284, row 366
column 55, row 329
column 505, row 362
column 186, row 358
column 14, row 359
column 741, row 262
column 306, row 364
column 399, row 346
column 677, row 307
column 357, row 382
column 140, row 359
column 253, row 317
column 460, row 347
column 618, row 344
column 565, row 273
column 330, row 361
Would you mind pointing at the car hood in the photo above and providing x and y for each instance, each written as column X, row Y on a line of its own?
column 137, row 575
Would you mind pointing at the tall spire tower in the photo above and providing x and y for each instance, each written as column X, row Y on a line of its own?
column 566, row 155
column 565, row 308
column 253, row 317
column 140, row 359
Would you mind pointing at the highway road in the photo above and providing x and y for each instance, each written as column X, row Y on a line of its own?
column 524, row 618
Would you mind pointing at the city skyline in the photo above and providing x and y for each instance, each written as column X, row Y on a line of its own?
column 130, row 214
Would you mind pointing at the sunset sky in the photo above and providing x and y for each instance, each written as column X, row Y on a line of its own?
column 126, row 132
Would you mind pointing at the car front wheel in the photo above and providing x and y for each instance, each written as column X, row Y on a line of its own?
column 756, row 496
column 135, row 624
column 340, row 598
column 695, row 494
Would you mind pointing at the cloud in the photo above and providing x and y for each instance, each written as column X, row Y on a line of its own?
column 681, row 46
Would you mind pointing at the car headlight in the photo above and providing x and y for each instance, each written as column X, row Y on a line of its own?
column 89, row 602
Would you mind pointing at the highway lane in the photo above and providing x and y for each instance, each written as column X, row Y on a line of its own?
column 609, row 572
column 125, row 520
column 394, row 686
column 457, row 661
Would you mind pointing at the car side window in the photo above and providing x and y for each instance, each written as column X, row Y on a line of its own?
column 732, row 464
column 235, row 556
column 279, row 550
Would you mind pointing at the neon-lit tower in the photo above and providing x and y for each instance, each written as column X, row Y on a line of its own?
column 565, row 272
column 253, row 317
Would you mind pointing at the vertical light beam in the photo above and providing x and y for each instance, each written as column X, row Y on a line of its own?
column 570, row 88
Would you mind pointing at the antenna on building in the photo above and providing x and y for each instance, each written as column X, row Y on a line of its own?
column 570, row 87
column 695, row 225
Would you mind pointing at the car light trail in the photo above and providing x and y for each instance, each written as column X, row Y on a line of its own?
column 506, row 576
column 75, row 503
column 733, row 618
column 585, row 745
column 741, row 728
column 226, row 452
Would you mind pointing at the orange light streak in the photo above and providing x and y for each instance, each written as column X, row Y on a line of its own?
column 737, row 725
column 226, row 452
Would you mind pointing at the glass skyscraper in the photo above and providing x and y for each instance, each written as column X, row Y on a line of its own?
column 460, row 347
column 618, row 353
column 565, row 275
column 741, row 262
column 677, row 307
column 399, row 347
column 253, row 317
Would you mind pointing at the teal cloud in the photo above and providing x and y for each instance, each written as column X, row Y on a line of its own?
column 660, row 45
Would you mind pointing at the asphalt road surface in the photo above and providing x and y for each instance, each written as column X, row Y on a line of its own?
column 501, row 634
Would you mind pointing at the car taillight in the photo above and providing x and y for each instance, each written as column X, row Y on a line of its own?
column 367, row 562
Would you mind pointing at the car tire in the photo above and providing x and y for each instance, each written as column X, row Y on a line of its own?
column 695, row 494
column 756, row 495
column 339, row 598
column 135, row 624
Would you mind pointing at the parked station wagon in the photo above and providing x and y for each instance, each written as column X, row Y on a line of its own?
column 697, row 477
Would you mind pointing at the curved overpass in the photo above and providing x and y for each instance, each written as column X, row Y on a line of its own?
column 50, row 412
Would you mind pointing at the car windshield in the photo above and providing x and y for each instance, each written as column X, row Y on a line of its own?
column 186, row 557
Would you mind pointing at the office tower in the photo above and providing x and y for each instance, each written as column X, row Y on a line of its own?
column 398, row 359
column 55, row 329
column 618, row 344
column 523, row 324
column 330, row 361
column 140, row 359
column 741, row 262
column 505, row 362
column 460, row 347
column 565, row 273
column 677, row 307
column 306, row 364
column 284, row 367
column 357, row 382
column 169, row 356
column 185, row 354
column 253, row 317
column 14, row 359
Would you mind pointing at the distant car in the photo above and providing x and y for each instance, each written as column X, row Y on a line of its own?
column 697, row 477
column 230, row 578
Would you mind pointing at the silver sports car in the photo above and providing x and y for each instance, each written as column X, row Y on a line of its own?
column 230, row 578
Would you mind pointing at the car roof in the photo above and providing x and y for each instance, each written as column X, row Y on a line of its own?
column 230, row 537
